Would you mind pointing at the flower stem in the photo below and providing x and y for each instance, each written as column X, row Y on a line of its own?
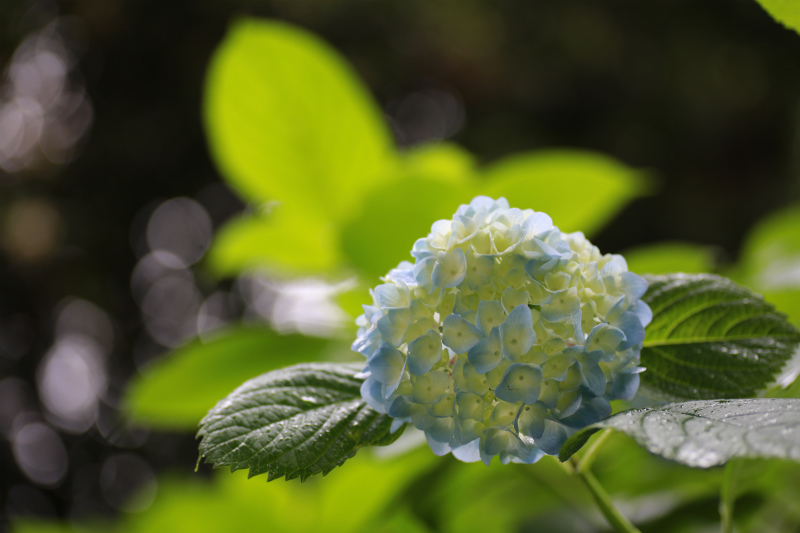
column 727, row 496
column 604, row 503
column 582, row 469
column 588, row 458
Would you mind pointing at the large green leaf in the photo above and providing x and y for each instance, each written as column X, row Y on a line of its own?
column 787, row 12
column 394, row 216
column 710, row 338
column 771, row 253
column 287, row 120
column 296, row 422
column 668, row 257
column 178, row 390
column 580, row 190
column 285, row 242
column 708, row 433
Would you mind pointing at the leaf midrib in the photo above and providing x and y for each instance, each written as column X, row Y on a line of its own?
column 703, row 340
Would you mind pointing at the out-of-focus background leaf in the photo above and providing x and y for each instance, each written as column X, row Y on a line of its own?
column 178, row 391
column 786, row 12
column 581, row 191
column 302, row 131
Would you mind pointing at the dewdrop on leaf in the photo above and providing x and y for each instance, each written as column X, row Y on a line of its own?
column 505, row 335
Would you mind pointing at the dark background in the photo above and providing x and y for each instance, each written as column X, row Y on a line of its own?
column 703, row 94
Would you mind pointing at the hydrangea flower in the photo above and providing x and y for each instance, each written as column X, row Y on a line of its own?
column 504, row 336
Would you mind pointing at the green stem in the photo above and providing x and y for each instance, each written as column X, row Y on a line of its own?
column 587, row 459
column 727, row 497
column 604, row 503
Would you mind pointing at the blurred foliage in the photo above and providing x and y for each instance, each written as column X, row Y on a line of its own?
column 668, row 257
column 177, row 391
column 787, row 12
column 324, row 156
column 581, row 191
column 302, row 131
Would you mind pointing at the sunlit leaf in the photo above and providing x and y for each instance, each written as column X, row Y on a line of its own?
column 287, row 120
column 708, row 433
column 296, row 422
column 581, row 191
column 771, row 253
column 286, row 241
column 711, row 338
column 667, row 257
column 502, row 497
column 394, row 216
column 229, row 503
column 787, row 12
column 786, row 301
column 445, row 161
column 178, row 390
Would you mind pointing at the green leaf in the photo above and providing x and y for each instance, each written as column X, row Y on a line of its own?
column 708, row 433
column 786, row 301
column 287, row 120
column 787, row 12
column 178, row 390
column 711, row 338
column 296, row 422
column 394, row 216
column 667, row 257
column 771, row 253
column 580, row 190
column 287, row 242
column 441, row 160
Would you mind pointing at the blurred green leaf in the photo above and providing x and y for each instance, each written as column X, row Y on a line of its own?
column 355, row 499
column 668, row 257
column 395, row 215
column 786, row 301
column 710, row 338
column 473, row 498
column 580, row 190
column 296, row 422
column 708, row 433
column 445, row 161
column 787, row 12
column 287, row 120
column 178, row 390
column 771, row 253
column 348, row 500
column 286, row 242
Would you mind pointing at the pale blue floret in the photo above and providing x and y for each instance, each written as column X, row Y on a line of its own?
column 552, row 438
column 479, row 270
column 423, row 271
column 520, row 383
column 564, row 304
column 516, row 333
column 387, row 366
column 487, row 353
column 531, row 420
column 490, row 315
column 393, row 325
column 371, row 391
column 424, row 352
column 604, row 338
column 480, row 342
column 459, row 335
column 589, row 412
column 450, row 268
column 593, row 377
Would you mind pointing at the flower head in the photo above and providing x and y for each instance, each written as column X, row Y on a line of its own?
column 504, row 337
